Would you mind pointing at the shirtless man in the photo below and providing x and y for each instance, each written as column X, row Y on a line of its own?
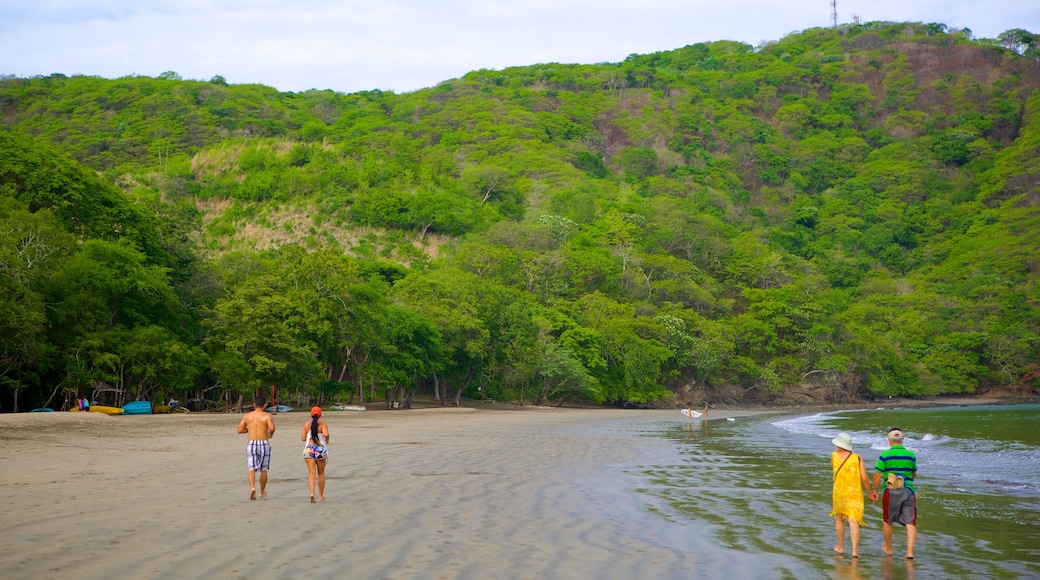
column 260, row 426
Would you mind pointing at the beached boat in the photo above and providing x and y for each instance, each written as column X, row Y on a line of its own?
column 138, row 408
column 42, row 410
column 347, row 407
column 175, row 408
column 279, row 409
column 106, row 409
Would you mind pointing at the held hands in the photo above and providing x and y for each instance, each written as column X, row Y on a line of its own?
column 873, row 495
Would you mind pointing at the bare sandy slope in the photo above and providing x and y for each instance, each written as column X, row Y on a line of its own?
column 443, row 493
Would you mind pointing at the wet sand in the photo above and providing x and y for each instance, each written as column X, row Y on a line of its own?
column 438, row 493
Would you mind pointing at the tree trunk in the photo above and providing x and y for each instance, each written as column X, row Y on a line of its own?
column 54, row 392
column 391, row 396
column 462, row 387
column 542, row 396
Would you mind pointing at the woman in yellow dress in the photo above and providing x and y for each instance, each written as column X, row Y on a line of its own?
column 850, row 479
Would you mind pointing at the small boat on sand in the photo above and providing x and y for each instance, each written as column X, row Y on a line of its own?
column 42, row 410
column 279, row 409
column 347, row 407
column 106, row 409
column 138, row 408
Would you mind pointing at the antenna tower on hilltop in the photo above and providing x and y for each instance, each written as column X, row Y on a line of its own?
column 834, row 13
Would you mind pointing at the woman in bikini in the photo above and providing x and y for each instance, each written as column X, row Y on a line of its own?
column 850, row 479
column 315, row 451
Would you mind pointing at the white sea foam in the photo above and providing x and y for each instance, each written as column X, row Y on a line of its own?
column 817, row 425
column 805, row 425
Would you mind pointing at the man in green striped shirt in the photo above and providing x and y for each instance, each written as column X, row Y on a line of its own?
column 894, row 473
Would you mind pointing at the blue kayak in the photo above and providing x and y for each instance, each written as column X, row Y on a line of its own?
column 138, row 408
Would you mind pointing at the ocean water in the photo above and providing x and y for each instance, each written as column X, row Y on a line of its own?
column 762, row 484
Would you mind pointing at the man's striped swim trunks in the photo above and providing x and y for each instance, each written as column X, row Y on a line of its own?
column 258, row 454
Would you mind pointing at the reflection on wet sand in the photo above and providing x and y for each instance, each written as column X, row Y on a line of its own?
column 846, row 569
column 891, row 565
column 701, row 426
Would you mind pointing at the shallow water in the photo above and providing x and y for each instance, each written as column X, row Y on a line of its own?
column 763, row 484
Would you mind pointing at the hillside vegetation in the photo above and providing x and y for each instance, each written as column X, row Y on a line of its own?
column 844, row 213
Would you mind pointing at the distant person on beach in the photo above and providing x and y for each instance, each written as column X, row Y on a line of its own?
column 315, row 451
column 260, row 427
column 850, row 480
column 894, row 473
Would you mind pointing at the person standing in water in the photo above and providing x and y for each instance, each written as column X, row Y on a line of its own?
column 260, row 427
column 850, row 479
column 894, row 473
column 315, row 451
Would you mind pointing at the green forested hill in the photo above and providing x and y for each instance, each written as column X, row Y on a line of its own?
column 842, row 213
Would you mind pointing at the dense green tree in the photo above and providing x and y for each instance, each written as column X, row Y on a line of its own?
column 446, row 299
column 32, row 247
column 259, row 324
column 634, row 358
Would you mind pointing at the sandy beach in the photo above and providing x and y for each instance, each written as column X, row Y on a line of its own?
column 438, row 493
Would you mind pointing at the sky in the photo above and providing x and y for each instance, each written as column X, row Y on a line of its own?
column 406, row 45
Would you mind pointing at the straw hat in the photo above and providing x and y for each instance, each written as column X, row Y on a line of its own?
column 843, row 441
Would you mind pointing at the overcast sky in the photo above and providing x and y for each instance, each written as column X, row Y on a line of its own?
column 405, row 45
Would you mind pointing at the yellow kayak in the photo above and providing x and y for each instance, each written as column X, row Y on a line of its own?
column 106, row 410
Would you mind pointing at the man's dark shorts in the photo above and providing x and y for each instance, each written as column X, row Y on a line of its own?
column 900, row 506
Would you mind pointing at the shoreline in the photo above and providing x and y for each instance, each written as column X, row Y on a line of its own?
column 889, row 403
column 993, row 396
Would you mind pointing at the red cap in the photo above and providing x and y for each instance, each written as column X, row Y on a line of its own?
column 315, row 411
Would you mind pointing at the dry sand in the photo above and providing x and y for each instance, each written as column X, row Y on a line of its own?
column 439, row 493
